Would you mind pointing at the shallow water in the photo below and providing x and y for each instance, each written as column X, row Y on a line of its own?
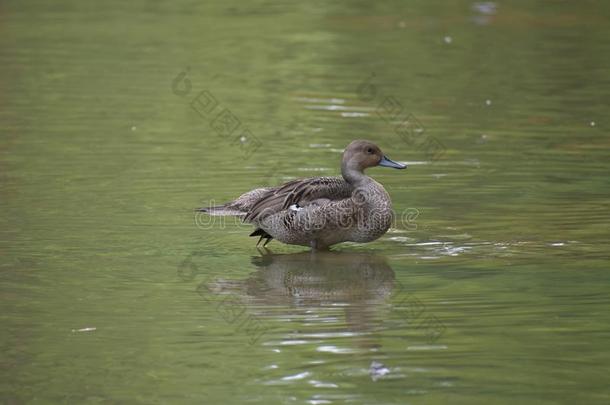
column 491, row 287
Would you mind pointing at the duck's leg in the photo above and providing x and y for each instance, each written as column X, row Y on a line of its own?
column 264, row 251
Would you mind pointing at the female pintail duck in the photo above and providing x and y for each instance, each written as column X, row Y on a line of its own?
column 321, row 211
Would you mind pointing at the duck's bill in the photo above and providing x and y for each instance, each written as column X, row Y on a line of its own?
column 390, row 163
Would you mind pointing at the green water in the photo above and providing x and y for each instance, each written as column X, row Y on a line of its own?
column 492, row 286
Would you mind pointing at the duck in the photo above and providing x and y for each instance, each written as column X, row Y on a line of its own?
column 320, row 212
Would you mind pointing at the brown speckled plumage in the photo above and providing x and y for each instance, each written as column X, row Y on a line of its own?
column 321, row 211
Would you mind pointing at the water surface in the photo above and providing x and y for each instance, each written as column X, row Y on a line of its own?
column 491, row 287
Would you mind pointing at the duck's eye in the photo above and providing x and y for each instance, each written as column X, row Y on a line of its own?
column 370, row 150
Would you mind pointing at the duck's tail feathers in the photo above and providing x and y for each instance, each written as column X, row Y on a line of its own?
column 221, row 210
column 238, row 207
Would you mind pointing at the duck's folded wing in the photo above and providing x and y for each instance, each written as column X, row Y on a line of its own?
column 299, row 192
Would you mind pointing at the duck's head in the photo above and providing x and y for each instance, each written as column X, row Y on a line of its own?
column 362, row 154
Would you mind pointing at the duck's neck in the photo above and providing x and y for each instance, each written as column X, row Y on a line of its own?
column 354, row 175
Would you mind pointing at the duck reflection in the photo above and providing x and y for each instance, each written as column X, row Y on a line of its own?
column 332, row 293
column 319, row 278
